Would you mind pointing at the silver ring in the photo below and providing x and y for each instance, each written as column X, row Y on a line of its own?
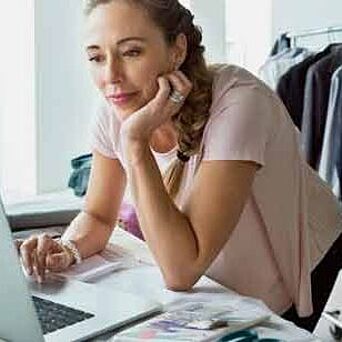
column 176, row 97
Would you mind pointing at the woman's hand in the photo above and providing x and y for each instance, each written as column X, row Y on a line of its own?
column 140, row 125
column 41, row 253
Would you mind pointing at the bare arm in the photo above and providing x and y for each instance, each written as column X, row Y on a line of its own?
column 185, row 243
column 91, row 229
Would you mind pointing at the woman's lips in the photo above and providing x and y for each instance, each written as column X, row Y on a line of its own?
column 121, row 99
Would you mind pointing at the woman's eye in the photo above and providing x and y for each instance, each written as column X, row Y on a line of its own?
column 96, row 59
column 132, row 53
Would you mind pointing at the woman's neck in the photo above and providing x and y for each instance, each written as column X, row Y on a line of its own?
column 164, row 138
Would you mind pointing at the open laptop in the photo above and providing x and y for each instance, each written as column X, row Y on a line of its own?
column 76, row 311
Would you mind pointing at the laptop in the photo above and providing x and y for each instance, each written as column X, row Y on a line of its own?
column 58, row 309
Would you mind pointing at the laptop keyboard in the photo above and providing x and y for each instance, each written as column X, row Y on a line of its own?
column 53, row 316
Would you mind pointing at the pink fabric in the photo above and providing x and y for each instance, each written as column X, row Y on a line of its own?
column 128, row 220
column 268, row 253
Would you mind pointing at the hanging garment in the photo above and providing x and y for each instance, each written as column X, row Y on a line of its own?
column 316, row 97
column 282, row 43
column 79, row 178
column 276, row 66
column 332, row 149
column 266, row 70
column 291, row 86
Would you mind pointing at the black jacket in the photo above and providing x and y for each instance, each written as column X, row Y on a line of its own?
column 316, row 98
column 291, row 86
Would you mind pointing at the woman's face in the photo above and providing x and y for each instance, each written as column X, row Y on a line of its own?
column 126, row 53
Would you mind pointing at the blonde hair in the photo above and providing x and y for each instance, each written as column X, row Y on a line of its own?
column 173, row 18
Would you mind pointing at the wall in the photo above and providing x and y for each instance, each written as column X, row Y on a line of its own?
column 248, row 35
column 305, row 14
column 212, row 21
column 17, row 106
column 64, row 92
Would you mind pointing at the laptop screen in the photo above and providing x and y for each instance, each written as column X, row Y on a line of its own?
column 18, row 321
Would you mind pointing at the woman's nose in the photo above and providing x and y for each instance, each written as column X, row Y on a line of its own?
column 113, row 72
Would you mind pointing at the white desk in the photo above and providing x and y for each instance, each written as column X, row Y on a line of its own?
column 334, row 302
column 146, row 280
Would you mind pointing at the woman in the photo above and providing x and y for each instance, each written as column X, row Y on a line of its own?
column 210, row 156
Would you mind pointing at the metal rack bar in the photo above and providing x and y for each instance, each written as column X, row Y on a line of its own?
column 307, row 33
column 315, row 32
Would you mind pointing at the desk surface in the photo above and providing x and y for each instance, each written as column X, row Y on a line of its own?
column 146, row 280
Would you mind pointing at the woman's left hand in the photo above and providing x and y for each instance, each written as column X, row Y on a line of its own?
column 140, row 125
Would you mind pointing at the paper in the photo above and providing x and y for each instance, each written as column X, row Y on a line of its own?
column 92, row 268
column 136, row 250
column 113, row 258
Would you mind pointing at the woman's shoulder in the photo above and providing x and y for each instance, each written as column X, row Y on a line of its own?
column 235, row 86
column 244, row 109
column 106, row 114
column 229, row 72
column 232, row 75
column 105, row 130
column 236, row 82
column 104, row 110
column 106, row 121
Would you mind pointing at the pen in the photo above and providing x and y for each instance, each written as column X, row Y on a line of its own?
column 242, row 334
column 245, row 336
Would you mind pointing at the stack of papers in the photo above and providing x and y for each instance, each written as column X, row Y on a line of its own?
column 91, row 269
column 193, row 321
column 112, row 259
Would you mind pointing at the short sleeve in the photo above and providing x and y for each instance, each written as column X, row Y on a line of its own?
column 240, row 127
column 102, row 139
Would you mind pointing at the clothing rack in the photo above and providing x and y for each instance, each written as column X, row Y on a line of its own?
column 308, row 33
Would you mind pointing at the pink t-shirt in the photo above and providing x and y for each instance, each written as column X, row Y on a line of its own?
column 278, row 239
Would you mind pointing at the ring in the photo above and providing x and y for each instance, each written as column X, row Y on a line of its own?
column 176, row 97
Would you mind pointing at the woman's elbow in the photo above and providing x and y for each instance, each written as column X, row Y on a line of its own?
column 180, row 283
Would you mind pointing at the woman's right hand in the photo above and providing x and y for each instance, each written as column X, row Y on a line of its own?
column 40, row 253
